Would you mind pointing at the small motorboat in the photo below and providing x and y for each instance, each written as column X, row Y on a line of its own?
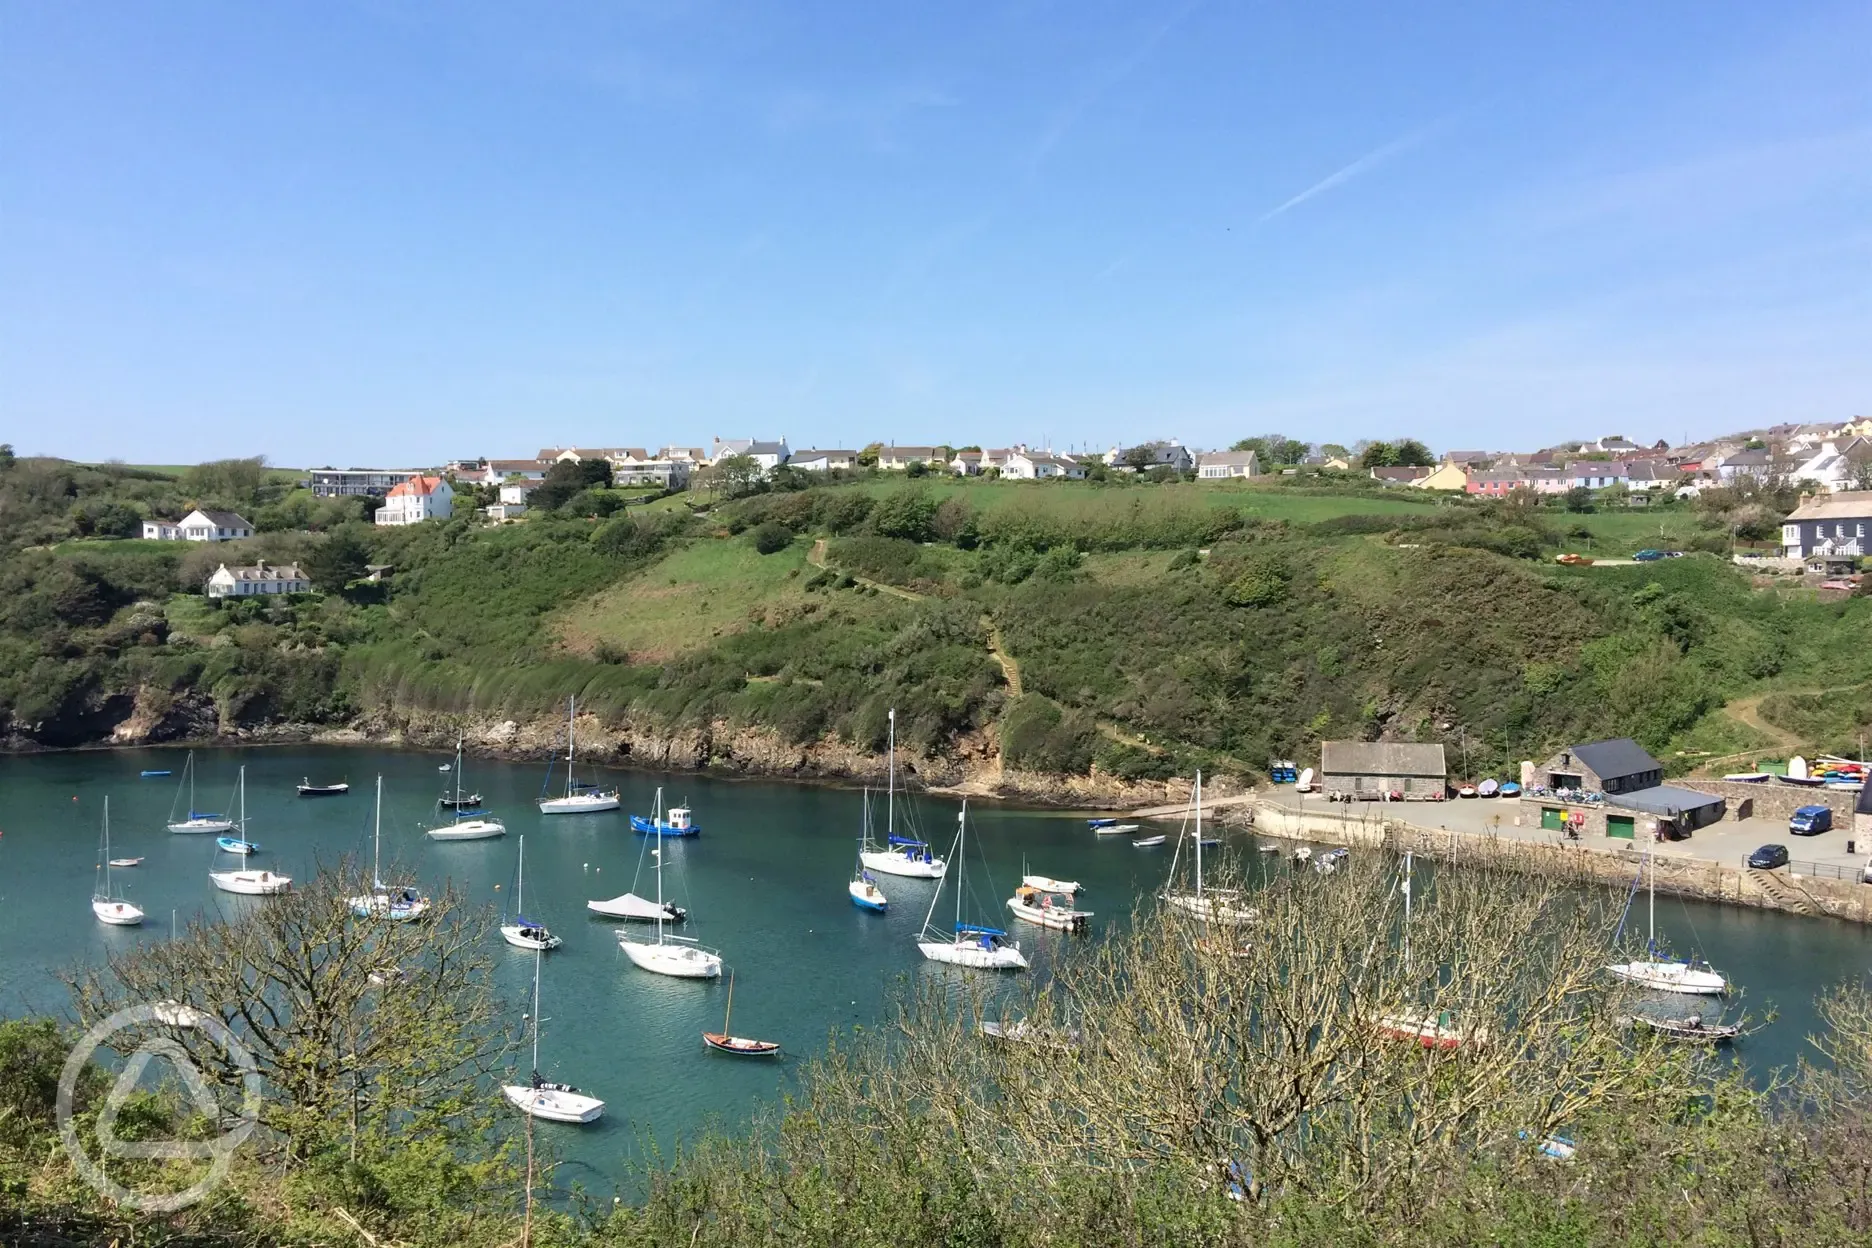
column 126, row 862
column 1147, row 842
column 308, row 789
column 154, row 775
column 445, row 767
column 865, row 894
column 1467, row 790
column 1095, row 824
column 1303, row 853
column 235, row 845
column 1509, row 789
column 1115, row 829
column 1044, row 908
column 1690, row 1030
column 631, row 906
column 1328, row 862
column 1209, row 842
column 1268, row 847
column 681, row 821
column 1047, row 884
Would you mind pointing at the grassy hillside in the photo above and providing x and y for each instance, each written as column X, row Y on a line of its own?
column 1155, row 627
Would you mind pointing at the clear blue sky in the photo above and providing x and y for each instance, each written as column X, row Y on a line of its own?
column 399, row 232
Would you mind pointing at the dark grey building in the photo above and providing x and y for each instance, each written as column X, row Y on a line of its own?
column 1838, row 525
column 1617, row 766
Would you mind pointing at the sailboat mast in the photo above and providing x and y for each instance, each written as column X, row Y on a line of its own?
column 243, row 802
column 107, row 867
column 1407, row 909
column 890, row 781
column 729, row 1013
column 520, row 880
column 536, row 1018
column 658, row 852
column 376, row 856
column 571, row 729
column 1199, row 836
column 961, row 855
column 1651, row 908
column 189, row 766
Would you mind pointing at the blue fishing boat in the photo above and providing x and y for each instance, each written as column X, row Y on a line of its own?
column 235, row 845
column 152, row 775
column 1101, row 823
column 681, row 821
column 1509, row 789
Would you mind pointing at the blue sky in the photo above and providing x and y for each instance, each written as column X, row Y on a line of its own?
column 394, row 232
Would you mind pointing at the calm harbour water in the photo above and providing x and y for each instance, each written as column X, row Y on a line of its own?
column 764, row 884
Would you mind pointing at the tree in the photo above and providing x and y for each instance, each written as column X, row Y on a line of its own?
column 1137, row 458
column 1411, row 453
column 337, row 561
column 1274, row 448
column 868, row 457
column 567, row 479
column 1862, row 475
column 738, row 475
column 1377, row 455
column 1579, row 499
column 770, row 538
column 6, row 456
column 235, row 482
column 1332, row 450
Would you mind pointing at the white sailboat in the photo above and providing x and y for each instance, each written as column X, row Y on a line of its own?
column 197, row 821
column 1663, row 974
column 901, row 855
column 1438, row 1029
column 538, row 1098
column 520, row 931
column 677, row 956
column 246, row 881
column 468, row 825
column 981, row 948
column 110, row 907
column 864, row 892
column 400, row 904
column 579, row 799
column 1211, row 905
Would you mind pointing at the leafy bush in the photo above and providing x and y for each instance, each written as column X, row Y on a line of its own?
column 1040, row 735
column 770, row 538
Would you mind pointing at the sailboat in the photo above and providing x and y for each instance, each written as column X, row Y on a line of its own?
column 901, row 855
column 245, row 880
column 865, row 894
column 537, row 1098
column 983, row 948
column 400, row 904
column 1212, row 905
column 1664, row 975
column 678, row 956
column 579, row 798
column 520, row 931
column 110, row 907
column 197, row 821
column 724, row 1041
column 681, row 821
column 470, row 824
column 1432, row 1030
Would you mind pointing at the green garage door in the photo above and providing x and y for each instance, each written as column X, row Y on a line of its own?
column 1552, row 818
column 1619, row 826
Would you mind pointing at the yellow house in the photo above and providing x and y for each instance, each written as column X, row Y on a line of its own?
column 1448, row 476
column 1861, row 428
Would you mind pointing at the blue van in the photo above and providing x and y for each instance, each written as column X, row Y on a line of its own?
column 1811, row 821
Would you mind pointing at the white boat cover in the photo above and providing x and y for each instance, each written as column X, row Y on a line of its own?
column 630, row 906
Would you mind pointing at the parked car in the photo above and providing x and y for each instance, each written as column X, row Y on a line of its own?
column 1648, row 556
column 1811, row 821
column 1768, row 857
column 1575, row 561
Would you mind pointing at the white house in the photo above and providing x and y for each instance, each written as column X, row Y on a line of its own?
column 1040, row 466
column 966, row 463
column 1833, row 466
column 417, row 499
column 1757, row 463
column 261, row 578
column 1836, row 525
column 823, row 461
column 1594, row 474
column 769, row 455
column 199, row 526
column 899, row 458
column 1222, row 465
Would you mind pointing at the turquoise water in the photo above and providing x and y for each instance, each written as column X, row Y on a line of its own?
column 764, row 883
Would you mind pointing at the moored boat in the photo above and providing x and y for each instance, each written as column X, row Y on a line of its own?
column 541, row 1098
column 470, row 822
column 681, row 821
column 1045, row 908
column 967, row 944
column 245, row 881
column 1690, row 1030
column 578, row 799
column 197, row 821
column 308, row 789
column 724, row 1041
column 235, row 845
column 907, row 856
column 108, row 905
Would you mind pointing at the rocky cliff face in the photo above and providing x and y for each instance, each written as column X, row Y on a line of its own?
column 973, row 766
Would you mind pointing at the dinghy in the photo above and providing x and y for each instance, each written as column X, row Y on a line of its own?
column 234, row 845
column 1691, row 1030
column 1047, row 884
column 1115, row 829
column 308, row 789
column 1148, row 842
column 724, row 1041
column 151, row 775
column 126, row 862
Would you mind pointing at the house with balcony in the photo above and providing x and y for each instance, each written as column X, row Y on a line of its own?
column 418, row 499
column 1829, row 526
column 358, row 482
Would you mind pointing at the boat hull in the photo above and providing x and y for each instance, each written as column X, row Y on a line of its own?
column 596, row 804
column 1210, row 908
column 117, row 913
column 250, row 883
column 867, row 897
column 1671, row 977
column 631, row 906
column 973, row 956
column 1060, row 920
column 469, row 830
column 188, row 827
column 676, row 961
column 650, row 827
column 523, row 937
column 739, row 1046
column 897, row 864
column 1424, row 1029
column 378, row 906
column 324, row 790
column 553, row 1105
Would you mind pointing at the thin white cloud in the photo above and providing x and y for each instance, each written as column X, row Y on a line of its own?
column 1069, row 114
column 1364, row 164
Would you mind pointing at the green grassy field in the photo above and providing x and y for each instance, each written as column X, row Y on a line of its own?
column 1088, row 499
column 274, row 476
column 1620, row 533
column 690, row 600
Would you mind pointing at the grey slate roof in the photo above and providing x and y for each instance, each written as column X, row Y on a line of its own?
column 1663, row 799
column 1381, row 758
column 225, row 519
column 1612, row 759
column 1864, row 805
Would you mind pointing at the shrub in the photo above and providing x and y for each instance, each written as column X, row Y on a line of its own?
column 770, row 538
column 1039, row 734
column 1261, row 584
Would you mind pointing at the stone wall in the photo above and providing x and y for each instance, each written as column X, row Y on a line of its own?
column 1775, row 800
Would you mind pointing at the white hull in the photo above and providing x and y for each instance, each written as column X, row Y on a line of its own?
column 1048, row 916
column 679, row 961
column 469, row 830
column 1047, row 884
column 1428, row 1030
column 867, row 894
column 1671, row 977
column 579, row 804
column 175, row 1014
column 116, row 913
column 250, row 883
column 897, row 864
column 1211, row 908
column 517, row 936
column 631, row 906
column 202, row 825
column 971, row 954
column 553, row 1105
column 379, row 906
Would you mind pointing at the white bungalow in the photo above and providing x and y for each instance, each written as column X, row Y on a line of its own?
column 1040, row 466
column 823, row 460
column 199, row 526
column 261, row 578
column 1223, row 465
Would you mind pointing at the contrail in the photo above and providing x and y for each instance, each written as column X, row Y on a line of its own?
column 1339, row 178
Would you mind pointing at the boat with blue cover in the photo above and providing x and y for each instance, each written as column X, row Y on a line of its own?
column 235, row 845
column 681, row 821
column 151, row 775
column 1101, row 823
column 967, row 944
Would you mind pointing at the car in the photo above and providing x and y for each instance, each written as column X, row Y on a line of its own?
column 1811, row 821
column 1574, row 561
column 1768, row 857
column 1648, row 556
